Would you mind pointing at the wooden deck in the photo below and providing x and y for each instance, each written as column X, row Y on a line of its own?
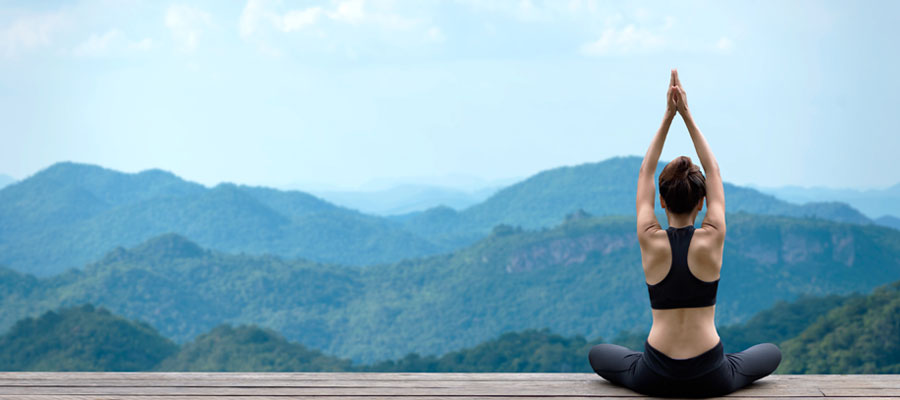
column 188, row 386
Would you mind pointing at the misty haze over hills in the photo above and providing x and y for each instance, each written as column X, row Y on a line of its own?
column 5, row 180
column 875, row 203
column 407, row 198
column 405, row 195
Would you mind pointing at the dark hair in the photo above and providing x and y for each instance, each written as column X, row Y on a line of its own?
column 681, row 185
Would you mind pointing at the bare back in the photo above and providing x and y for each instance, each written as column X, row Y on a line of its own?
column 683, row 332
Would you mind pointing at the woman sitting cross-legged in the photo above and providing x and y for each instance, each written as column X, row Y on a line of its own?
column 683, row 355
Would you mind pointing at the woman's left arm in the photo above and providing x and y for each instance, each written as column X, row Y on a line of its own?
column 646, row 191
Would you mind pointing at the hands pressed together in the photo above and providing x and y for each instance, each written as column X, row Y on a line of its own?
column 676, row 97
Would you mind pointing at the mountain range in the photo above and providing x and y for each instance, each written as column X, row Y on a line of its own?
column 582, row 277
column 70, row 214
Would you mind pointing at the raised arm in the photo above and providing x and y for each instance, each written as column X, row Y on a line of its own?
column 646, row 191
column 715, row 192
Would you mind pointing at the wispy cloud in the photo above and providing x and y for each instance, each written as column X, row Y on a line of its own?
column 335, row 19
column 298, row 19
column 724, row 44
column 112, row 42
column 349, row 12
column 97, row 44
column 30, row 32
column 187, row 23
column 625, row 40
column 606, row 28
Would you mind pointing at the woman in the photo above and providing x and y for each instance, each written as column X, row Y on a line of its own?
column 683, row 355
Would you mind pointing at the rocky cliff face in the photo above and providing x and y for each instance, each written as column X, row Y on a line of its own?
column 566, row 251
column 797, row 247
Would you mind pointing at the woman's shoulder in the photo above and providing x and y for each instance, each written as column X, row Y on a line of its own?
column 708, row 237
column 654, row 239
column 707, row 247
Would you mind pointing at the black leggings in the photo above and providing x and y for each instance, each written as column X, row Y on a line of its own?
column 712, row 373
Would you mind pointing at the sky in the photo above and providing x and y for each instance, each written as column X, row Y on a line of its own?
column 354, row 93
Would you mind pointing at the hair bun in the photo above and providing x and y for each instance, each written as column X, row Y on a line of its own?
column 682, row 185
column 683, row 167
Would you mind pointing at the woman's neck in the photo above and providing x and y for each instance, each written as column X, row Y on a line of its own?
column 678, row 221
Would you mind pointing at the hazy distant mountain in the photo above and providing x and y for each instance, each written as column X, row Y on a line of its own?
column 601, row 188
column 889, row 221
column 5, row 180
column 873, row 202
column 69, row 214
column 582, row 277
column 406, row 198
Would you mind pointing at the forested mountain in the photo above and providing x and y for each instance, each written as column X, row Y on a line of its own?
column 581, row 278
column 530, row 350
column 860, row 337
column 249, row 348
column 783, row 321
column 831, row 334
column 82, row 339
column 85, row 338
column 70, row 214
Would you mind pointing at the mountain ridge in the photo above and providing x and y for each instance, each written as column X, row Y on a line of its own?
column 70, row 214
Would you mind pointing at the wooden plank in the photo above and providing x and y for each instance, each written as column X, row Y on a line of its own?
column 860, row 392
column 6, row 377
column 349, row 380
column 585, row 391
column 442, row 376
column 313, row 383
column 184, row 386
column 595, row 386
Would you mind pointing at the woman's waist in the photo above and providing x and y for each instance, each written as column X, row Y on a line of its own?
column 683, row 368
column 681, row 337
column 685, row 318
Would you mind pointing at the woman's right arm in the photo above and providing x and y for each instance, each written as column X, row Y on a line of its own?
column 715, row 191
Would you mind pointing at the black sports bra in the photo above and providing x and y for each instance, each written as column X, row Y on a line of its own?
column 680, row 288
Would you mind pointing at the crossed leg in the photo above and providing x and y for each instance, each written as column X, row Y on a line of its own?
column 753, row 363
column 614, row 363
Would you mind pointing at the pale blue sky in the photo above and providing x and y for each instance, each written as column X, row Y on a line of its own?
column 349, row 92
